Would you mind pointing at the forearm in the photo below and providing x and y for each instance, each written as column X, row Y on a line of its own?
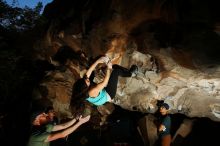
column 107, row 76
column 71, row 129
column 64, row 125
column 91, row 69
column 67, row 131
column 62, row 134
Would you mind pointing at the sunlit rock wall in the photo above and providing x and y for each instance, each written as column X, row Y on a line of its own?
column 191, row 92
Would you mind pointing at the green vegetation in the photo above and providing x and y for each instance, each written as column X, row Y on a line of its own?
column 14, row 18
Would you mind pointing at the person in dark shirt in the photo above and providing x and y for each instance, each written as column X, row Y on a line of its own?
column 164, row 125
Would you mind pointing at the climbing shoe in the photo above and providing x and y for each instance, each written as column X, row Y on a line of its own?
column 133, row 70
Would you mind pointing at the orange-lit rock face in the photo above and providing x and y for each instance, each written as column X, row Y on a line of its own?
column 116, row 49
column 146, row 33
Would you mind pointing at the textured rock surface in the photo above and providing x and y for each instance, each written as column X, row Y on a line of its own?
column 183, row 71
column 191, row 92
column 187, row 91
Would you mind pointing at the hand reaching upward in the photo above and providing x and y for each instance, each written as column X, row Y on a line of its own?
column 104, row 59
column 109, row 65
column 84, row 119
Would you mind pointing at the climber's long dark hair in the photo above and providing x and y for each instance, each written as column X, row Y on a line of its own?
column 79, row 95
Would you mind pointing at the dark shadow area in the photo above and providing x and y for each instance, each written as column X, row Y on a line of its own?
column 16, row 104
column 204, row 133
column 120, row 128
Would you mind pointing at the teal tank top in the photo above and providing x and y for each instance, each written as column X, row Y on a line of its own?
column 100, row 99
